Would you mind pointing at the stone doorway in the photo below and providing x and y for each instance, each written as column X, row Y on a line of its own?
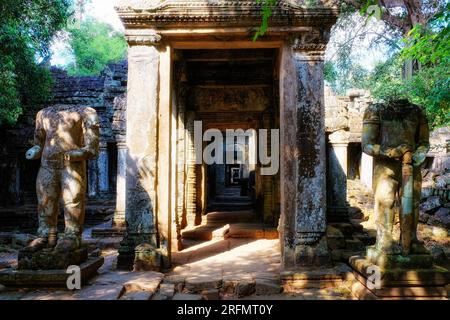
column 171, row 71
column 226, row 89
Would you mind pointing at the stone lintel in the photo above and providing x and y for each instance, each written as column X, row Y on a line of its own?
column 142, row 37
column 203, row 13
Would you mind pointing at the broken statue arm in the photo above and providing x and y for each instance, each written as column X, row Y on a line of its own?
column 39, row 139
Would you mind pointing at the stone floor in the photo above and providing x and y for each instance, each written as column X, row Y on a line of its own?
column 230, row 269
column 223, row 267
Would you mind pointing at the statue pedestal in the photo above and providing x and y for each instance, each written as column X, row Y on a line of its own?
column 397, row 261
column 399, row 281
column 49, row 268
column 49, row 259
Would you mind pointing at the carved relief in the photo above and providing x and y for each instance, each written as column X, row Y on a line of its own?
column 230, row 99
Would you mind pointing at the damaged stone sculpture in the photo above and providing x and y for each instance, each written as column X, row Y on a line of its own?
column 396, row 134
column 65, row 137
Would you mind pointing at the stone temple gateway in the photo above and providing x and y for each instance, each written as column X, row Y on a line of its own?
column 196, row 60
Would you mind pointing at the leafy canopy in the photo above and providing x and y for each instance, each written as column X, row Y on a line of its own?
column 94, row 44
column 26, row 30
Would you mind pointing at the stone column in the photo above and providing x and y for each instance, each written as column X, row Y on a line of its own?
column 102, row 165
column 92, row 178
column 302, row 152
column 366, row 170
column 139, row 245
column 191, row 176
column 121, row 191
column 337, row 176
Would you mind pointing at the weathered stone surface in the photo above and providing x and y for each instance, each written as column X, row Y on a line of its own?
column 295, row 281
column 399, row 283
column 335, row 238
column 159, row 296
column 147, row 258
column 198, row 283
column 411, row 261
column 99, row 292
column 443, row 216
column 142, row 117
column 49, row 259
column 431, row 204
column 167, row 289
column 354, row 245
column 210, row 294
column 137, row 295
column 397, row 277
column 48, row 278
column 187, row 296
column 244, row 288
column 267, row 287
column 145, row 281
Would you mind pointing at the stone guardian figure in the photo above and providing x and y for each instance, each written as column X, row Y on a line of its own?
column 396, row 134
column 65, row 137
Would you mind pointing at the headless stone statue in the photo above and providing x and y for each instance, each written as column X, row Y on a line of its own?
column 65, row 137
column 397, row 136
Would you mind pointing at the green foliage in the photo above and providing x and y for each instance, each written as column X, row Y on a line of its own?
column 340, row 78
column 266, row 11
column 26, row 30
column 428, row 87
column 430, row 44
column 95, row 44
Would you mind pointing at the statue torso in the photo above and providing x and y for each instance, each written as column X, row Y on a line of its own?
column 63, row 127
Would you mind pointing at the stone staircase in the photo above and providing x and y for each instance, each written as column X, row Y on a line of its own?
column 231, row 216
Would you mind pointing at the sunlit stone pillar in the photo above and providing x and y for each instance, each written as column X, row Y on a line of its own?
column 102, row 165
column 366, row 170
column 121, row 191
column 302, row 152
column 139, row 243
column 337, row 176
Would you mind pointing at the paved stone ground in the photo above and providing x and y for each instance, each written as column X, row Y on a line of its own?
column 246, row 269
column 227, row 268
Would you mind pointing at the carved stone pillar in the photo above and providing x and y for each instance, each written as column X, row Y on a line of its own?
column 121, row 191
column 181, row 163
column 103, row 168
column 337, row 176
column 303, row 150
column 267, row 181
column 139, row 245
column 191, row 186
column 92, row 178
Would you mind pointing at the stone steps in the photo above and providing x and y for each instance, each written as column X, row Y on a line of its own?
column 230, row 216
column 252, row 231
column 230, row 205
column 234, row 230
column 206, row 232
column 232, row 198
